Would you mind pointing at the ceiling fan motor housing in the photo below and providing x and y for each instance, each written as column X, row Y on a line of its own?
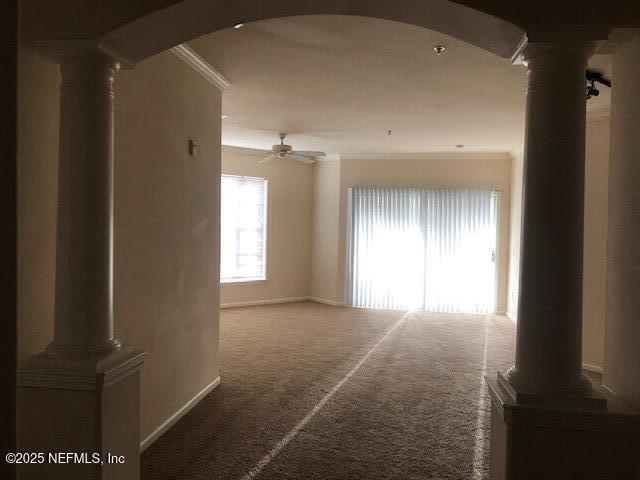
column 282, row 150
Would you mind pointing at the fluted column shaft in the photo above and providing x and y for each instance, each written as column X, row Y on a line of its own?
column 84, row 253
column 548, row 345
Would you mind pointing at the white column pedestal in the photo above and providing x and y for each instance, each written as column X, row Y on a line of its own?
column 551, row 442
column 85, row 406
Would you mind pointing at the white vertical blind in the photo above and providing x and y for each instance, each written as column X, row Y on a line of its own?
column 243, row 228
column 431, row 249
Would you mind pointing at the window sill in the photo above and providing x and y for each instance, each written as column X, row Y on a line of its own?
column 240, row 282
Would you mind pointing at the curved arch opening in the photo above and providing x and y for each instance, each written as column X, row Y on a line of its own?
column 189, row 19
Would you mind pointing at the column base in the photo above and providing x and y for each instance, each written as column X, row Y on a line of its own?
column 534, row 438
column 89, row 407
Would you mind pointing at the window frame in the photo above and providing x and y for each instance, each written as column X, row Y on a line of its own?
column 249, row 280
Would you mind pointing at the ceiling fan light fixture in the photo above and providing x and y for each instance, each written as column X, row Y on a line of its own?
column 439, row 49
column 282, row 150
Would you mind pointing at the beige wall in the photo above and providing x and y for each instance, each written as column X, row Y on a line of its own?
column 288, row 227
column 595, row 240
column 166, row 216
column 431, row 170
column 622, row 352
column 37, row 199
column 166, row 230
column 325, row 230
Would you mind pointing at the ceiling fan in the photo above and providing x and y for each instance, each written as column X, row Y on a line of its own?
column 286, row 151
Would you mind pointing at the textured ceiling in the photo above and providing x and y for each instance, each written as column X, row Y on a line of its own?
column 340, row 83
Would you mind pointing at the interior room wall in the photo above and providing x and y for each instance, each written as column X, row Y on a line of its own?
column 595, row 239
column 595, row 242
column 325, row 230
column 622, row 355
column 38, row 100
column 166, row 215
column 431, row 170
column 9, row 235
column 289, row 202
column 167, row 207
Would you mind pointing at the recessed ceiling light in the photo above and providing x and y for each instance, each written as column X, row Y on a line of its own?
column 238, row 26
column 224, row 116
column 439, row 49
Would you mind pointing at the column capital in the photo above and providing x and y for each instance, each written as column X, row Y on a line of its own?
column 95, row 49
column 560, row 50
column 551, row 47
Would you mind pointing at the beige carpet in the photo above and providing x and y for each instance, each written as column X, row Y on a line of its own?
column 305, row 395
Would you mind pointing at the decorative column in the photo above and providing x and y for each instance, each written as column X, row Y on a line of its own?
column 84, row 250
column 547, row 421
column 81, row 395
column 549, row 334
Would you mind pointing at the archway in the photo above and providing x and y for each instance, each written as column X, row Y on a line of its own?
column 156, row 31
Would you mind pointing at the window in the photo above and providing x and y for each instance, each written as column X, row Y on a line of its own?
column 430, row 249
column 243, row 218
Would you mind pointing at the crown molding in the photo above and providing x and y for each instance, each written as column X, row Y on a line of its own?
column 200, row 66
column 516, row 56
column 329, row 158
column 517, row 152
column 427, row 156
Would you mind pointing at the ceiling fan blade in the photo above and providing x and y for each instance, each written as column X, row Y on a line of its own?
column 267, row 158
column 310, row 153
column 301, row 158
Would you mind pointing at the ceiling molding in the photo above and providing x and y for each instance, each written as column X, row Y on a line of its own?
column 516, row 56
column 386, row 156
column 427, row 156
column 517, row 152
column 200, row 66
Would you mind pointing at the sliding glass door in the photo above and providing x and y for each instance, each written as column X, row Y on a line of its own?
column 431, row 249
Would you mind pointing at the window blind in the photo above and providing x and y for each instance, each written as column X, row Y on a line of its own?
column 431, row 249
column 243, row 228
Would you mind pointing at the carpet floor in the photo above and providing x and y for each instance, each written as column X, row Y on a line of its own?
column 311, row 391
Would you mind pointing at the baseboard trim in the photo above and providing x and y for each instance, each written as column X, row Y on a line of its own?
column 592, row 368
column 171, row 421
column 327, row 301
column 252, row 303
